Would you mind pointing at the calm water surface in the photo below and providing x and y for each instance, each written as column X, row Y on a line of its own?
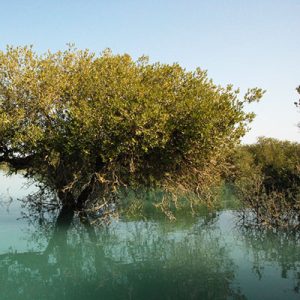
column 209, row 257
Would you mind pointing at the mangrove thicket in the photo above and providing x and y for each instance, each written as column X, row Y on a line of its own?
column 86, row 126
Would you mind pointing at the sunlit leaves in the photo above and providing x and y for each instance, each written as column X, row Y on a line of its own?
column 123, row 119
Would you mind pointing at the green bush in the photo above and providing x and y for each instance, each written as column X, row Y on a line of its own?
column 266, row 177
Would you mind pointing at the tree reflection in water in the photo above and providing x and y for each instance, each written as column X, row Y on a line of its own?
column 123, row 260
column 270, row 247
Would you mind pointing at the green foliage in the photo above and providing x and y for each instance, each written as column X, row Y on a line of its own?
column 279, row 162
column 69, row 115
column 266, row 177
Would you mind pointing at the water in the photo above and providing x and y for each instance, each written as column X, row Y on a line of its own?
column 209, row 257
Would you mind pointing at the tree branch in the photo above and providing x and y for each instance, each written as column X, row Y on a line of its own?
column 86, row 192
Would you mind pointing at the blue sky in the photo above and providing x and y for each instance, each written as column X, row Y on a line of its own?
column 247, row 43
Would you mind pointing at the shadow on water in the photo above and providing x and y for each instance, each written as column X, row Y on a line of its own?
column 125, row 260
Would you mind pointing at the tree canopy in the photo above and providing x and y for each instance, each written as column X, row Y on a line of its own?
column 79, row 122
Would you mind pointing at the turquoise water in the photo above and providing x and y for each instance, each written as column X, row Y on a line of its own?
column 208, row 257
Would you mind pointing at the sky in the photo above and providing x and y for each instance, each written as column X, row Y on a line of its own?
column 245, row 43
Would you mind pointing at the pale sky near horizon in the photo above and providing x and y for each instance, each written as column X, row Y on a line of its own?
column 246, row 43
